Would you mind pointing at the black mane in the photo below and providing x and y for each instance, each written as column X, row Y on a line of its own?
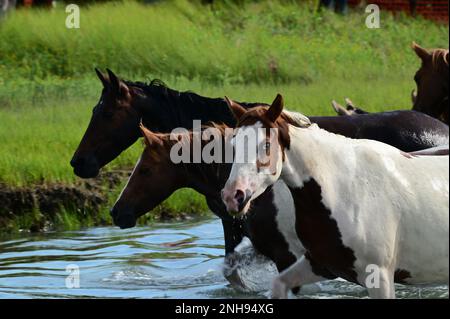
column 167, row 108
column 144, row 85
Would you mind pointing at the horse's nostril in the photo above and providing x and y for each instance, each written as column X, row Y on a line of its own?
column 239, row 196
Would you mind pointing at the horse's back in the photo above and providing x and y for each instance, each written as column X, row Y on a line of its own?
column 407, row 130
column 433, row 151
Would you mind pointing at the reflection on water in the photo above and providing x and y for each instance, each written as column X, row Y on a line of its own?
column 176, row 260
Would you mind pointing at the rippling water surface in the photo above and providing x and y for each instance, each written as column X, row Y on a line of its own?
column 171, row 260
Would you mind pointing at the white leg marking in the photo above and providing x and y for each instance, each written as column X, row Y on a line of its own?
column 298, row 274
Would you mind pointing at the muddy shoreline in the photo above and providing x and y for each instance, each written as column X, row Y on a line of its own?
column 44, row 207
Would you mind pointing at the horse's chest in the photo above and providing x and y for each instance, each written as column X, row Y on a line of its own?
column 320, row 234
column 264, row 234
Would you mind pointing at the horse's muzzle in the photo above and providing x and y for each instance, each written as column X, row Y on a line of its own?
column 123, row 218
column 85, row 167
column 236, row 201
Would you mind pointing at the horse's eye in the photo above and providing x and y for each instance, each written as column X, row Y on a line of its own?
column 267, row 146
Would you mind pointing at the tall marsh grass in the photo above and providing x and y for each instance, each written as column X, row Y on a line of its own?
column 265, row 42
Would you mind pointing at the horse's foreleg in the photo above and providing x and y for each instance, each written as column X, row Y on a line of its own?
column 297, row 275
column 233, row 234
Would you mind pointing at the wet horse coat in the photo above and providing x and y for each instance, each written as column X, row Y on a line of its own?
column 360, row 205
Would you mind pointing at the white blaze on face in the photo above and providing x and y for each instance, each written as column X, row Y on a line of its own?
column 257, row 164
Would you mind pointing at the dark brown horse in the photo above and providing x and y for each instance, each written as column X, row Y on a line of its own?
column 349, row 109
column 114, row 126
column 123, row 104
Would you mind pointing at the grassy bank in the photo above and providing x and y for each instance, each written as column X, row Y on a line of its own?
column 48, row 87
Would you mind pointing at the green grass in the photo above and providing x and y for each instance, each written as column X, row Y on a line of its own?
column 249, row 53
column 271, row 41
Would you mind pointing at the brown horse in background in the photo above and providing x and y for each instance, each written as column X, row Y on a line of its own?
column 432, row 81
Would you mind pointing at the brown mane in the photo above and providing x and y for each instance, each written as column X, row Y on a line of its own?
column 162, row 143
column 166, row 136
column 439, row 58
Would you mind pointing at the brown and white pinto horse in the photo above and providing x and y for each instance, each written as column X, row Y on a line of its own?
column 364, row 211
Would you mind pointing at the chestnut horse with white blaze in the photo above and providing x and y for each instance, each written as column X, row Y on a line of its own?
column 268, row 225
column 363, row 208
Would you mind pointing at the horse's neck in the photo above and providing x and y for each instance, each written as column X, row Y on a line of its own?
column 313, row 152
column 206, row 178
column 169, row 109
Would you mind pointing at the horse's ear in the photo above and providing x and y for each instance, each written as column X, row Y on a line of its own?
column 117, row 86
column 150, row 138
column 102, row 77
column 236, row 109
column 275, row 109
column 339, row 109
column 422, row 53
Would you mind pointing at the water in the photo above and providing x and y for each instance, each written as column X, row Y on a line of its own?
column 171, row 260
